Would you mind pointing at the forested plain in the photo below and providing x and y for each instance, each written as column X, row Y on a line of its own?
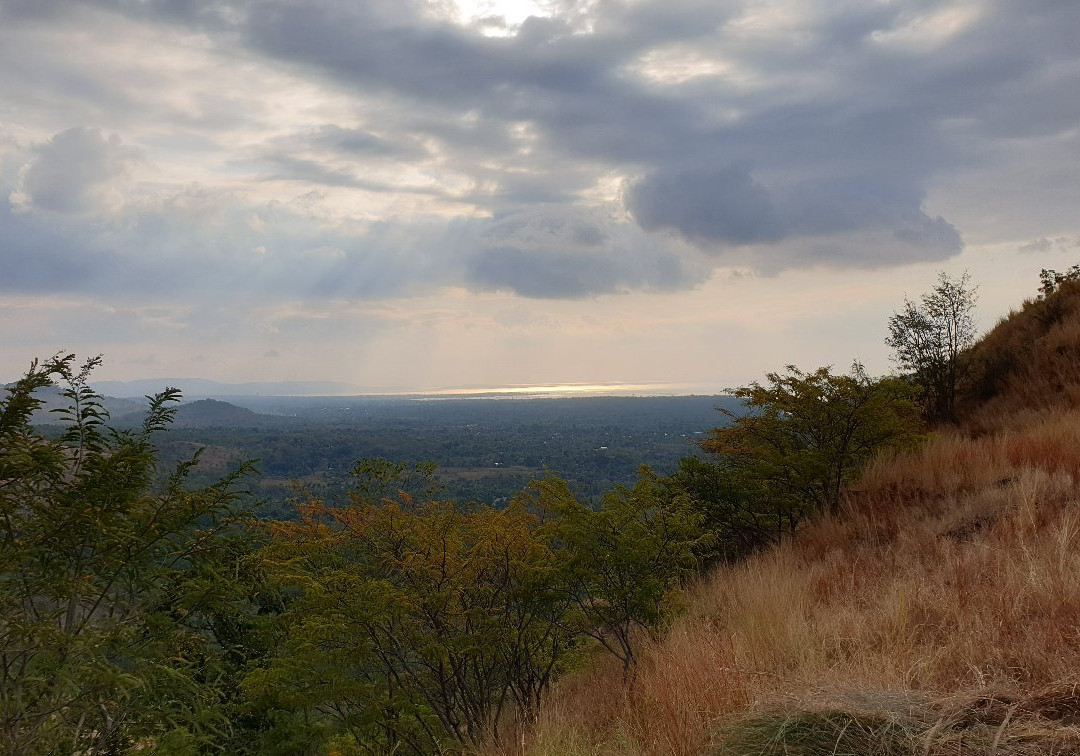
column 486, row 449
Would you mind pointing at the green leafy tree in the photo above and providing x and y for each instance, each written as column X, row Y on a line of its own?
column 929, row 338
column 622, row 562
column 416, row 627
column 1051, row 280
column 108, row 582
column 735, row 508
column 807, row 434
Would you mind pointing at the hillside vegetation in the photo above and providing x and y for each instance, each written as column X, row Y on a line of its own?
column 937, row 612
column 837, row 577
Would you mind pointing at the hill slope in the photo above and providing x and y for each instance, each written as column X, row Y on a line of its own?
column 939, row 614
column 207, row 413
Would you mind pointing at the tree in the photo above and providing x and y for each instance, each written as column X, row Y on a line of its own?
column 619, row 564
column 1051, row 280
column 415, row 626
column 807, row 434
column 735, row 508
column 929, row 339
column 112, row 600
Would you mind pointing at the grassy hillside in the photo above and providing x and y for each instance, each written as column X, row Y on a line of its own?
column 939, row 613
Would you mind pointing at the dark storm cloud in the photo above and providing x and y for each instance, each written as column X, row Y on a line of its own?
column 568, row 84
column 858, row 151
column 557, row 254
column 567, row 274
column 727, row 206
column 193, row 245
column 708, row 204
column 39, row 257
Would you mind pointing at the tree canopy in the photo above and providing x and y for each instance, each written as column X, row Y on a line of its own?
column 929, row 338
column 805, row 435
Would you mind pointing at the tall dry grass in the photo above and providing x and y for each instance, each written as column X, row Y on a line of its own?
column 1029, row 363
column 945, row 600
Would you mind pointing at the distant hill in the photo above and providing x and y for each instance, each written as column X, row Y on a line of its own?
column 208, row 413
column 211, row 412
column 203, row 413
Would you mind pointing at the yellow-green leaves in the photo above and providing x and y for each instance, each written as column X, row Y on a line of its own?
column 806, row 434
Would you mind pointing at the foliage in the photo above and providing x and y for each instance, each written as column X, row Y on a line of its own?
column 416, row 625
column 139, row 613
column 419, row 626
column 114, row 610
column 376, row 478
column 807, row 434
column 620, row 563
column 1051, row 280
column 736, row 509
column 929, row 339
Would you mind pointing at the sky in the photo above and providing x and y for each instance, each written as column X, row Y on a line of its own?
column 410, row 195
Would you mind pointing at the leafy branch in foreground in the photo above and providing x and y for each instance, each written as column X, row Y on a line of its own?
column 107, row 596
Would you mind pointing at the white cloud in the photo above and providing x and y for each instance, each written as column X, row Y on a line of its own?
column 79, row 171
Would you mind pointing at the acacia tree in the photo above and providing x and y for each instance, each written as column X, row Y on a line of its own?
column 620, row 563
column 929, row 338
column 736, row 509
column 107, row 581
column 415, row 626
column 807, row 434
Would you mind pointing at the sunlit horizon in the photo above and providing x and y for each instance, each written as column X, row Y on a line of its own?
column 573, row 389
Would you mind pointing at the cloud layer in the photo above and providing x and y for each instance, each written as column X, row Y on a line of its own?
column 764, row 134
column 361, row 150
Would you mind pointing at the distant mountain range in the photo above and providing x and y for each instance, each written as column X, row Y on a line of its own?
column 52, row 399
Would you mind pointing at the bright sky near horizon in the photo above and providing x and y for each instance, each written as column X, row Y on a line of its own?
column 422, row 194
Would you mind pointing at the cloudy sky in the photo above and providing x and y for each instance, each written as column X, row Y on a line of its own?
column 418, row 194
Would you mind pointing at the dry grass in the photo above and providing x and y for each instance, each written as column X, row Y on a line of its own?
column 939, row 614
column 1028, row 364
column 945, row 596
